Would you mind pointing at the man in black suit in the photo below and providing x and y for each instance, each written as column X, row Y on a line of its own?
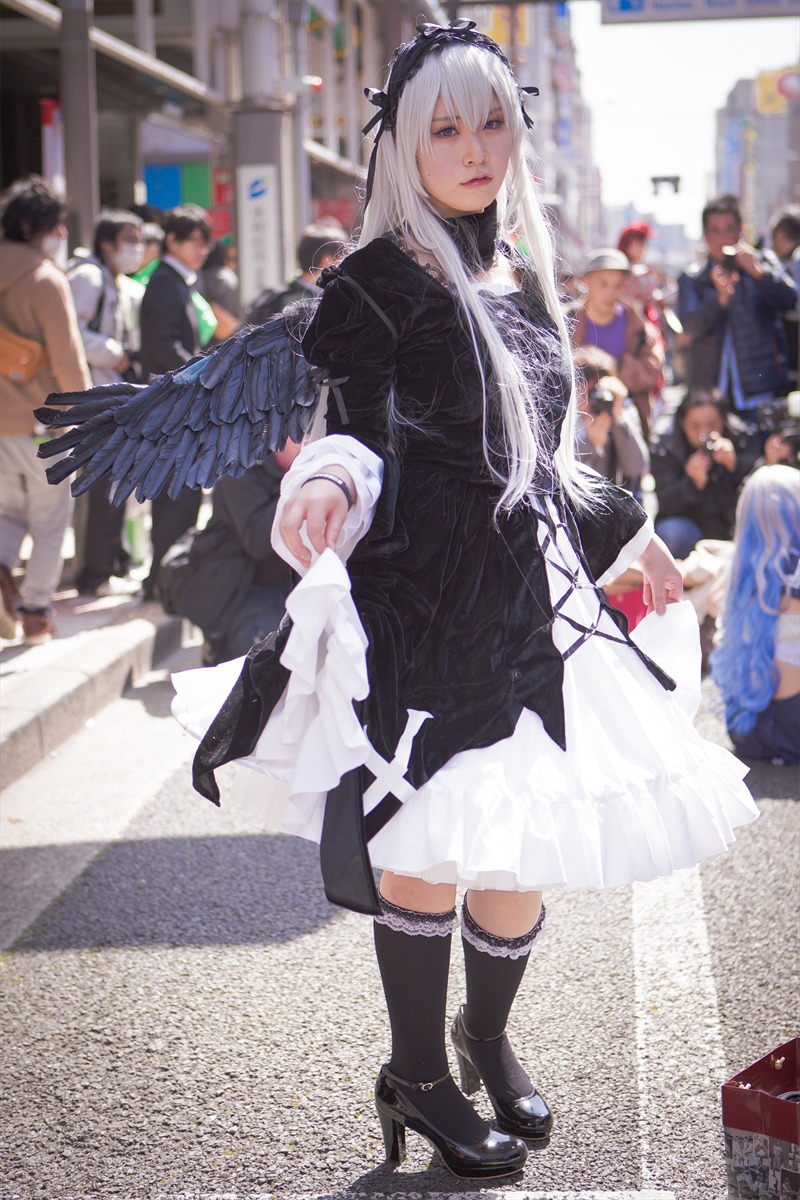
column 170, row 338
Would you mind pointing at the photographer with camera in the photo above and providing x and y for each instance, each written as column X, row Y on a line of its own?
column 780, row 420
column 609, row 436
column 698, row 464
column 609, row 439
column 785, row 237
column 731, row 307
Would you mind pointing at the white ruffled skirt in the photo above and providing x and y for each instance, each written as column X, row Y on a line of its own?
column 637, row 794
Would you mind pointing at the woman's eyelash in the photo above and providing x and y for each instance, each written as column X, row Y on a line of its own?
column 492, row 123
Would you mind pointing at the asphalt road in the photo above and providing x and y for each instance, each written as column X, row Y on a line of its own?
column 185, row 1016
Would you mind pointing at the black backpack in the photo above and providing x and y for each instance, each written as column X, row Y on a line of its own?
column 267, row 304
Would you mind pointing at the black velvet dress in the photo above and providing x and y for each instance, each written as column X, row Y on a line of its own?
column 454, row 599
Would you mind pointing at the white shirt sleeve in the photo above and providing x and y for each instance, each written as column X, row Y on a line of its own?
column 366, row 469
column 101, row 347
column 629, row 553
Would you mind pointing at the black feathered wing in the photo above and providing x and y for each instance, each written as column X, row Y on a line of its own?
column 219, row 415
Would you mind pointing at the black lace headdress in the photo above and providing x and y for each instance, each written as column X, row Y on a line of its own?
column 407, row 60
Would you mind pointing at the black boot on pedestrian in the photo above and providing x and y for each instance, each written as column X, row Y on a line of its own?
column 415, row 1089
column 494, row 970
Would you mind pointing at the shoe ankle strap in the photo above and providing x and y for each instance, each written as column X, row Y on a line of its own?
column 409, row 1083
column 468, row 1035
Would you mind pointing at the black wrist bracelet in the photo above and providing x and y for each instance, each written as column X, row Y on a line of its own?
column 333, row 479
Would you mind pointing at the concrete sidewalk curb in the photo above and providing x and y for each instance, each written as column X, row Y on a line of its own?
column 44, row 707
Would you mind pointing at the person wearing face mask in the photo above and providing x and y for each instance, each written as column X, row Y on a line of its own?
column 107, row 304
column 36, row 311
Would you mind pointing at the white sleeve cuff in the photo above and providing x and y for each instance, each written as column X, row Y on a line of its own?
column 628, row 554
column 366, row 469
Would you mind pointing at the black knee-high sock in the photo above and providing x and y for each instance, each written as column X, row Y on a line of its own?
column 492, row 984
column 414, row 971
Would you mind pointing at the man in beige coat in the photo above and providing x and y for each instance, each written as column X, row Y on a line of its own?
column 35, row 303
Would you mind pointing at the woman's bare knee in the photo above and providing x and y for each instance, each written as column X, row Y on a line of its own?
column 417, row 895
column 505, row 914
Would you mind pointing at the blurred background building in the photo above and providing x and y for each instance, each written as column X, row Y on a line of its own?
column 758, row 145
column 250, row 108
column 254, row 108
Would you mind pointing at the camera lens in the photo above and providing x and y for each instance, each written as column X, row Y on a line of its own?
column 601, row 400
column 729, row 258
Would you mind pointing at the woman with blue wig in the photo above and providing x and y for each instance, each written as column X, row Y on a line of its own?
column 757, row 661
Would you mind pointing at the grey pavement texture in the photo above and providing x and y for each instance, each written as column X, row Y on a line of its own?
column 184, row 1014
column 48, row 692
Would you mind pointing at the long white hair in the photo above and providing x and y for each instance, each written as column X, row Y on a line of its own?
column 468, row 79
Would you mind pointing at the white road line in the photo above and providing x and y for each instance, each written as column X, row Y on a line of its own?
column 679, row 1040
column 647, row 1194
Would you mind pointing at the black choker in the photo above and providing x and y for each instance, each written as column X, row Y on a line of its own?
column 475, row 236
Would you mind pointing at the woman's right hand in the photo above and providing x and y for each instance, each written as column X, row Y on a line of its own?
column 777, row 450
column 724, row 453
column 598, row 427
column 697, row 468
column 322, row 507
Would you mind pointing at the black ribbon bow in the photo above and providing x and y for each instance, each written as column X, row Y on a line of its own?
column 407, row 61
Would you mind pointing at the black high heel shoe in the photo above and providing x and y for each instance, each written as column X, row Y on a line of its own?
column 497, row 1155
column 526, row 1116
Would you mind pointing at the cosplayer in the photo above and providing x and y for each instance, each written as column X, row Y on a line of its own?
column 460, row 705
column 756, row 664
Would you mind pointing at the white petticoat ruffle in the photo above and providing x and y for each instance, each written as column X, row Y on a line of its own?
column 637, row 795
column 313, row 736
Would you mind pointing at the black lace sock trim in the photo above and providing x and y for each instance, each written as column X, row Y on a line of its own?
column 416, row 924
column 492, row 944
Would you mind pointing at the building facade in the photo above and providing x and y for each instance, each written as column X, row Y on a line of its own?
column 757, row 146
column 251, row 108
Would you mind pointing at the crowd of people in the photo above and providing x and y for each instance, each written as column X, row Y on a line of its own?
column 144, row 299
column 730, row 433
column 147, row 297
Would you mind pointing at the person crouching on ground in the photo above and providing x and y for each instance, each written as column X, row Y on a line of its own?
column 698, row 464
column 756, row 663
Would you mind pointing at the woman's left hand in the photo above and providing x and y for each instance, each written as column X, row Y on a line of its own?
column 663, row 583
